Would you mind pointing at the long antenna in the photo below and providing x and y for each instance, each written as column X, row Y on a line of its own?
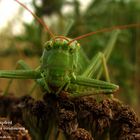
column 105, row 30
column 38, row 19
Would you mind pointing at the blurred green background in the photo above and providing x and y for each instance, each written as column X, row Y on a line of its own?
column 124, row 64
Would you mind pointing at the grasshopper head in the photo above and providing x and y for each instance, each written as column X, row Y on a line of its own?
column 62, row 44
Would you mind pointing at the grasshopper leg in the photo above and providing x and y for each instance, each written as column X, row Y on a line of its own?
column 93, row 66
column 96, row 62
column 98, row 86
column 99, row 59
column 19, row 65
column 103, row 69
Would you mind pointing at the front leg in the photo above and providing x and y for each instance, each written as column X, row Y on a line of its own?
column 42, row 82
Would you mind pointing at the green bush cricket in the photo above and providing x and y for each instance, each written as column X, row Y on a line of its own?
column 65, row 67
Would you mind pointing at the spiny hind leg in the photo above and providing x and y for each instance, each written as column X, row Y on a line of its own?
column 93, row 67
column 97, row 67
column 19, row 65
column 96, row 62
column 104, row 69
column 92, row 86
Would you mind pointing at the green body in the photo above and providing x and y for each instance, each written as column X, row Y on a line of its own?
column 65, row 67
column 59, row 62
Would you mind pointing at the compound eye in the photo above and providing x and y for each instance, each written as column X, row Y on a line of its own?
column 48, row 45
column 71, row 50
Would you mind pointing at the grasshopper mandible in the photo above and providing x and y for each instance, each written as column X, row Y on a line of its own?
column 60, row 67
